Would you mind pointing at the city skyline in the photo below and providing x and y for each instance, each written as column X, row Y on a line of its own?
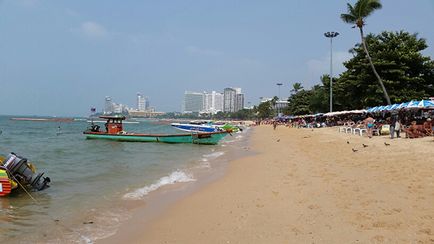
column 230, row 100
column 56, row 51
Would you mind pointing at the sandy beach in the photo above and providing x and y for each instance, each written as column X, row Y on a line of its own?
column 306, row 186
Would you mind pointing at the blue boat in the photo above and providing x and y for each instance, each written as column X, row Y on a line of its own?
column 196, row 126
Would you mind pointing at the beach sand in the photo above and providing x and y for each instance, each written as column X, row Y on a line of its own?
column 306, row 186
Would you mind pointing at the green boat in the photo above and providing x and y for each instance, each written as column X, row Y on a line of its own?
column 114, row 131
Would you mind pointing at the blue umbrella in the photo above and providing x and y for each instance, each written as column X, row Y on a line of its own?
column 371, row 109
column 388, row 108
column 403, row 105
column 382, row 108
column 413, row 104
column 425, row 104
column 395, row 106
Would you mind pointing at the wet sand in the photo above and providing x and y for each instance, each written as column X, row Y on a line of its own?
column 306, row 186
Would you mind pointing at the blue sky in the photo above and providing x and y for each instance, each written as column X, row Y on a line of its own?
column 62, row 57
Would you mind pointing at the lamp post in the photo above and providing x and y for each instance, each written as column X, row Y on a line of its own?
column 278, row 98
column 331, row 35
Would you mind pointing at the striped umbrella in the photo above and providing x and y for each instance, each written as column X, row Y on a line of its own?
column 403, row 105
column 413, row 104
column 425, row 104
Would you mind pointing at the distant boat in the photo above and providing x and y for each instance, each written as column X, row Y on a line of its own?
column 114, row 131
column 196, row 126
column 205, row 126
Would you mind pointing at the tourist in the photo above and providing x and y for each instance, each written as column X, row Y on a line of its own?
column 392, row 128
column 427, row 127
column 369, row 123
column 413, row 131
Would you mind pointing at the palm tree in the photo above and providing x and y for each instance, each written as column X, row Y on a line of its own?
column 296, row 87
column 357, row 15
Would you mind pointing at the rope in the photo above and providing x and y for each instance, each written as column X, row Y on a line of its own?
column 19, row 183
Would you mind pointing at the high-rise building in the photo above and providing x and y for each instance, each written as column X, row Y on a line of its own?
column 141, row 102
column 229, row 95
column 108, row 105
column 213, row 102
column 193, row 102
column 239, row 102
column 233, row 100
column 218, row 102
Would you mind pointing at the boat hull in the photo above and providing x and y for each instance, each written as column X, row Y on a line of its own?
column 195, row 138
column 194, row 128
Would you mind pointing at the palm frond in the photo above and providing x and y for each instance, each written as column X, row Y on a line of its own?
column 348, row 18
column 350, row 9
column 372, row 6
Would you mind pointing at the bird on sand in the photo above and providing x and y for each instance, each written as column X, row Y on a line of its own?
column 387, row 144
column 348, row 142
column 364, row 145
column 354, row 150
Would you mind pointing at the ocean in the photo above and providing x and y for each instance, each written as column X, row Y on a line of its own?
column 94, row 181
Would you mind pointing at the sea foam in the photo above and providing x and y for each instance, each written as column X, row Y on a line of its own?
column 213, row 155
column 174, row 177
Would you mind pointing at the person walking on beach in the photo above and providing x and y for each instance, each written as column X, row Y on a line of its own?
column 392, row 127
column 369, row 123
column 398, row 128
column 274, row 125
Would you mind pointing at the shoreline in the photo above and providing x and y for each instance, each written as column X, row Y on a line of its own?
column 306, row 186
column 151, row 206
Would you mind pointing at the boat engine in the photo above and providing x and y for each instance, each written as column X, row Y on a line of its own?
column 25, row 173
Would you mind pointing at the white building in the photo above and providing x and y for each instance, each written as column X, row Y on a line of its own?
column 193, row 102
column 233, row 100
column 108, row 105
column 213, row 102
column 141, row 102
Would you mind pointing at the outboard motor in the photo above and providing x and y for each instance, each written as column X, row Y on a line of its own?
column 24, row 172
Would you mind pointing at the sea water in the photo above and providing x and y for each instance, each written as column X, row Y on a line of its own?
column 92, row 180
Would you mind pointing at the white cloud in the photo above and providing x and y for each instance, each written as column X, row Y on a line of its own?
column 93, row 30
column 202, row 51
column 318, row 67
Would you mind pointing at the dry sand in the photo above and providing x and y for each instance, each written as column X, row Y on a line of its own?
column 307, row 186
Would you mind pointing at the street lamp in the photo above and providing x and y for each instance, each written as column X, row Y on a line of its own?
column 278, row 85
column 331, row 35
column 277, row 102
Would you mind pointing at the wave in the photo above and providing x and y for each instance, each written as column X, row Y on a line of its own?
column 175, row 177
column 213, row 155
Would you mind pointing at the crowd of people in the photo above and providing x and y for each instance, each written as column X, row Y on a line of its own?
column 412, row 123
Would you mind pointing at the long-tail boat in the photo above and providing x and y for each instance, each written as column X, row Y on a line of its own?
column 114, row 131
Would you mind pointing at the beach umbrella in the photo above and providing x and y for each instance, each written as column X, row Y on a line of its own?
column 394, row 106
column 381, row 108
column 374, row 109
column 402, row 105
column 371, row 109
column 413, row 104
column 388, row 108
column 425, row 104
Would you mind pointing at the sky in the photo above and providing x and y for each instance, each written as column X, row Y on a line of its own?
column 60, row 58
